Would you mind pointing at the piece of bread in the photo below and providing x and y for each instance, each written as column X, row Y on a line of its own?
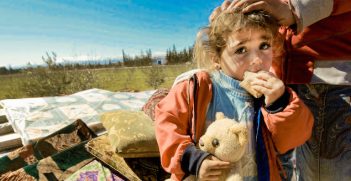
column 248, row 77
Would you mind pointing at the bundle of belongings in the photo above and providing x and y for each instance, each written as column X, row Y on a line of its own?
column 126, row 149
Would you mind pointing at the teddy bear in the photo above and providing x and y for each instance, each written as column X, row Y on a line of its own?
column 226, row 139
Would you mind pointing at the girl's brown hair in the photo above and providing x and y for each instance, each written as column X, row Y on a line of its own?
column 211, row 40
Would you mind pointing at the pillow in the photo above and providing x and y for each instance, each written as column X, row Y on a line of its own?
column 131, row 133
column 129, row 168
column 149, row 107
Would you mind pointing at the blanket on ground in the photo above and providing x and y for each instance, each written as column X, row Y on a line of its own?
column 59, row 141
column 35, row 118
column 57, row 167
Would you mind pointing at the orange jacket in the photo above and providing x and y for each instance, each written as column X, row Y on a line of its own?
column 176, row 127
column 326, row 40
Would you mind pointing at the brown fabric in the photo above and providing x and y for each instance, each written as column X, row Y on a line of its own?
column 63, row 141
column 56, row 167
column 149, row 107
column 66, row 137
column 131, row 133
column 25, row 152
column 18, row 175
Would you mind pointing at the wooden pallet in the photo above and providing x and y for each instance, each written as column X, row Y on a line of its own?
column 9, row 140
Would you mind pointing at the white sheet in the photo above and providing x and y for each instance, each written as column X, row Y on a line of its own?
column 34, row 118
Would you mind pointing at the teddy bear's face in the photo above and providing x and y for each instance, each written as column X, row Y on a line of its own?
column 226, row 139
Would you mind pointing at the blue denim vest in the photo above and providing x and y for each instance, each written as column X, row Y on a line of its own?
column 237, row 104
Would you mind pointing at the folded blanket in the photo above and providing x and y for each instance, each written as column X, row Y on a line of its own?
column 59, row 141
column 57, row 167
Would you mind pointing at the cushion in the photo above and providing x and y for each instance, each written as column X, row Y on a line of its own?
column 128, row 168
column 131, row 133
column 149, row 107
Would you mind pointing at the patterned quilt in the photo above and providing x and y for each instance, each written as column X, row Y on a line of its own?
column 35, row 118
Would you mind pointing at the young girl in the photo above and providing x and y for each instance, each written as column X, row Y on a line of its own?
column 278, row 121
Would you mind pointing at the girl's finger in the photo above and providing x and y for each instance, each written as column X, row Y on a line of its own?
column 264, row 75
column 262, row 83
column 218, row 164
column 261, row 89
column 214, row 173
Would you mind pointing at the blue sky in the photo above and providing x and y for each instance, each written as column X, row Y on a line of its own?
column 96, row 28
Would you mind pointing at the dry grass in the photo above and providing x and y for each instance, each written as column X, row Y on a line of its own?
column 113, row 79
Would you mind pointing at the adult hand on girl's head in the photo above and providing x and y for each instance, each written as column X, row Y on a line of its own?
column 211, row 168
column 279, row 9
column 269, row 85
column 219, row 9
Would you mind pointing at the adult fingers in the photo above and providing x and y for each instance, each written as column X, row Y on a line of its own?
column 214, row 14
column 225, row 5
column 234, row 4
column 218, row 10
column 258, row 5
column 279, row 9
column 239, row 3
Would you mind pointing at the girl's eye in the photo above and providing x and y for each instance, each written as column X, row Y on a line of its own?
column 240, row 50
column 265, row 46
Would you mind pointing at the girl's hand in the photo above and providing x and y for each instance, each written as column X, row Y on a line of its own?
column 269, row 85
column 211, row 168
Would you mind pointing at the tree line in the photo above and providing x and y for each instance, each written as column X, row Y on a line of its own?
column 172, row 57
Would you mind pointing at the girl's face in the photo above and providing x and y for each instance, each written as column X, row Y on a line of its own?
column 246, row 51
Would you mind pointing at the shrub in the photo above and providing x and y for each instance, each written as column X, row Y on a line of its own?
column 50, row 81
column 154, row 76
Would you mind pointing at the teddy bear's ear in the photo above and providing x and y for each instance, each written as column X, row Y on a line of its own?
column 241, row 131
column 219, row 116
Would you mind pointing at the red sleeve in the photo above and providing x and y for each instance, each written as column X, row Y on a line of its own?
column 292, row 126
column 172, row 126
column 341, row 6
